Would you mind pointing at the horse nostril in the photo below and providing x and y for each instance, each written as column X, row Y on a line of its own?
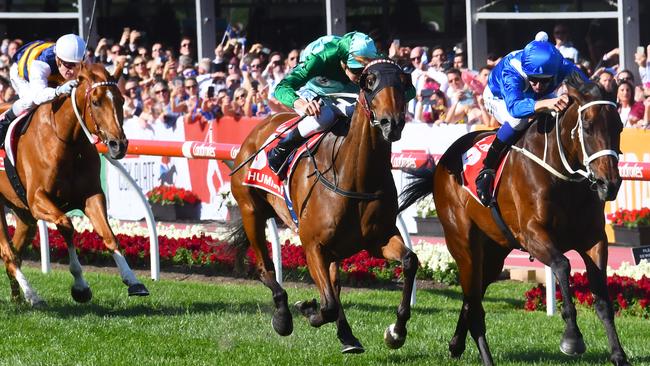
column 384, row 121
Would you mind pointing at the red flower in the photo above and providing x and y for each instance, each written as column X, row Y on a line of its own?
column 170, row 195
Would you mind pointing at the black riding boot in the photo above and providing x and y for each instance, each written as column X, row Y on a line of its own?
column 279, row 154
column 6, row 120
column 485, row 178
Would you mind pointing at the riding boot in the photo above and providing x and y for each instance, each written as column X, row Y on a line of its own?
column 485, row 179
column 279, row 154
column 5, row 121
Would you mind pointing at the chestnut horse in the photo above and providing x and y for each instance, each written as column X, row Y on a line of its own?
column 336, row 225
column 551, row 196
column 59, row 168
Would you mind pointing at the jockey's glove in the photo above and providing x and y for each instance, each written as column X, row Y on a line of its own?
column 66, row 88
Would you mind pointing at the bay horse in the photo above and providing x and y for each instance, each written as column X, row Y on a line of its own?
column 59, row 168
column 334, row 226
column 551, row 196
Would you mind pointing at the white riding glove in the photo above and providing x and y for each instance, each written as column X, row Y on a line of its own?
column 66, row 88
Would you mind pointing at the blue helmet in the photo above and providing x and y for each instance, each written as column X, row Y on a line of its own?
column 541, row 59
column 360, row 46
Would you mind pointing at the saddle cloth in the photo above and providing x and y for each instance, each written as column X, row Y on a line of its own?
column 259, row 175
column 473, row 163
column 11, row 140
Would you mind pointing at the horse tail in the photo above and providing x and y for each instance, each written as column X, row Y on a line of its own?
column 420, row 186
column 238, row 240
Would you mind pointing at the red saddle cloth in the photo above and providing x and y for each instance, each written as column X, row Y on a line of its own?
column 11, row 140
column 473, row 163
column 260, row 175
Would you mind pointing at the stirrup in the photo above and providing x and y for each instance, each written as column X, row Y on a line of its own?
column 278, row 160
column 484, row 183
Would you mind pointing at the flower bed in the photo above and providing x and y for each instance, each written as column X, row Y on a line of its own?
column 627, row 294
column 196, row 248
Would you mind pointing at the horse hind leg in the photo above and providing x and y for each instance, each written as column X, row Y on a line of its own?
column 253, row 222
column 329, row 310
column 350, row 344
column 596, row 262
column 24, row 233
column 395, row 334
column 96, row 211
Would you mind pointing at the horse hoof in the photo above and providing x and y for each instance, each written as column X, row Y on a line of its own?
column 573, row 347
column 352, row 349
column 81, row 295
column 306, row 308
column 138, row 290
column 456, row 350
column 282, row 322
column 392, row 339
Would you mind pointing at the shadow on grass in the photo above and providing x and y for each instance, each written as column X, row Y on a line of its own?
column 452, row 293
column 557, row 358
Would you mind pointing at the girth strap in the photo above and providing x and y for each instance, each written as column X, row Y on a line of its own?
column 14, row 179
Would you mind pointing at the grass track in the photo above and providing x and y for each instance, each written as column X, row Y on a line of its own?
column 202, row 323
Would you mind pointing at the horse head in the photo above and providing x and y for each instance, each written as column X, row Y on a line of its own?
column 383, row 84
column 595, row 136
column 101, row 108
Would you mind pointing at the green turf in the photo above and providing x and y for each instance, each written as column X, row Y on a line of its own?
column 199, row 323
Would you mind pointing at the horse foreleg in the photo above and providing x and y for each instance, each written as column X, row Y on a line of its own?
column 596, row 263
column 572, row 343
column 395, row 334
column 343, row 330
column 254, row 226
column 17, row 280
column 95, row 209
column 329, row 305
column 80, row 290
column 23, row 235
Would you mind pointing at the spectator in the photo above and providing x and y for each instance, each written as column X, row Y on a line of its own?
column 630, row 111
column 186, row 48
column 12, row 48
column 232, row 83
column 459, row 61
column 563, row 42
column 132, row 99
column 141, row 126
column 439, row 59
column 464, row 106
column 157, row 52
column 274, row 72
column 163, row 98
column 431, row 106
column 418, row 66
column 606, row 81
column 292, row 60
column 241, row 103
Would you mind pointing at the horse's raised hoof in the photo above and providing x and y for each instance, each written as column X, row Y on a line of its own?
column 306, row 308
column 138, row 290
column 619, row 359
column 573, row 346
column 352, row 348
column 392, row 339
column 81, row 295
column 282, row 322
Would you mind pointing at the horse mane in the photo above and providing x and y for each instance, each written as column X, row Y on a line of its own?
column 590, row 88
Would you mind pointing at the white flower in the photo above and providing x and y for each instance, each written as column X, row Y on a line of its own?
column 630, row 270
column 226, row 195
column 426, row 207
column 433, row 256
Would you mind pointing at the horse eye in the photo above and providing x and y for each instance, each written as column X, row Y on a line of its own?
column 371, row 81
column 95, row 102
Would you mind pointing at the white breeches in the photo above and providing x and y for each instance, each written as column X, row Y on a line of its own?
column 328, row 115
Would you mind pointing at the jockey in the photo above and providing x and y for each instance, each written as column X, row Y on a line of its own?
column 327, row 65
column 37, row 65
column 521, row 84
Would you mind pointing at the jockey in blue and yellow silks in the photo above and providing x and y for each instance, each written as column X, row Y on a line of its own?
column 521, row 84
column 41, row 72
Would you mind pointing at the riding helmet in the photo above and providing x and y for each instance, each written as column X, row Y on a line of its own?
column 70, row 48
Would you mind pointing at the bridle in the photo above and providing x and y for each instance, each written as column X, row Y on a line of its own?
column 365, row 99
column 585, row 174
column 87, row 106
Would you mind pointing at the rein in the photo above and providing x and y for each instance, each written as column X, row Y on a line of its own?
column 80, row 119
column 586, row 159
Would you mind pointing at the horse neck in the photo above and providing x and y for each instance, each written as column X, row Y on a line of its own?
column 65, row 122
column 365, row 153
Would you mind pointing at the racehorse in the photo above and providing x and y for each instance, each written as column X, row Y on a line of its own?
column 356, row 212
column 551, row 197
column 59, row 168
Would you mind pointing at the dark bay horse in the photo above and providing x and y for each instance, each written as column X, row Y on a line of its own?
column 549, row 209
column 60, row 170
column 333, row 226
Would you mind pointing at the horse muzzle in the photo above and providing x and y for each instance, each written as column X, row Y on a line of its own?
column 117, row 148
column 607, row 189
column 391, row 128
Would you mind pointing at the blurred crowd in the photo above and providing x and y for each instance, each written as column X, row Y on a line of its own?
column 165, row 86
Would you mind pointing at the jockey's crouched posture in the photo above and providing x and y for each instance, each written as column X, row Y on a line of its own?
column 37, row 65
column 521, row 84
column 328, row 65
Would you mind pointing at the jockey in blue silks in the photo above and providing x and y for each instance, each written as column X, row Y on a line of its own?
column 521, row 84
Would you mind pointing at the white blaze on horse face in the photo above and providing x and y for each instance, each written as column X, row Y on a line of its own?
column 30, row 294
column 75, row 269
column 125, row 271
column 110, row 96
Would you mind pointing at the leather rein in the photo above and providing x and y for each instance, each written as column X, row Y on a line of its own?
column 80, row 119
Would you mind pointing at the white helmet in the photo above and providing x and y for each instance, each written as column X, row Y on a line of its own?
column 70, row 48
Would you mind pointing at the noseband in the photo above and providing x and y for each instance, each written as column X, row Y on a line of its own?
column 76, row 109
column 389, row 77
